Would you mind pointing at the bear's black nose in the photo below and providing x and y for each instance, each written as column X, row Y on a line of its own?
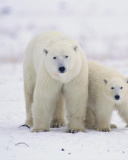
column 62, row 69
column 117, row 97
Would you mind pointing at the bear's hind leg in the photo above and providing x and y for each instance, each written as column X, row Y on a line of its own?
column 113, row 126
column 58, row 119
column 76, row 102
column 103, row 114
column 90, row 121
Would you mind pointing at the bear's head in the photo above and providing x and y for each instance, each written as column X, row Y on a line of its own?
column 62, row 61
column 116, row 89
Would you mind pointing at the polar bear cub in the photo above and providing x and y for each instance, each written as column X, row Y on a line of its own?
column 108, row 90
column 55, row 69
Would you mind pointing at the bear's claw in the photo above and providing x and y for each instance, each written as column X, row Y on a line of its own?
column 24, row 125
column 74, row 130
column 104, row 129
column 57, row 124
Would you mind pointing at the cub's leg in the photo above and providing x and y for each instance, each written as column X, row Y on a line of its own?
column 123, row 111
column 90, row 121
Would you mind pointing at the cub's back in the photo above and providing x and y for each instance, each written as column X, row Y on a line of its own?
column 97, row 74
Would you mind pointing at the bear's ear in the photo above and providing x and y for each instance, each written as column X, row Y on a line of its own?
column 75, row 48
column 127, row 80
column 45, row 51
column 105, row 81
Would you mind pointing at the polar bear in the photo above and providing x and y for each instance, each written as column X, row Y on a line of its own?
column 108, row 90
column 55, row 70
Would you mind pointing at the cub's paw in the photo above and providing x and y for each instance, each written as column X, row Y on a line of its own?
column 104, row 129
column 57, row 124
column 40, row 130
column 75, row 130
column 113, row 126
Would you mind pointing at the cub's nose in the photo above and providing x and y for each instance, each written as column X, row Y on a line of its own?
column 62, row 69
column 117, row 97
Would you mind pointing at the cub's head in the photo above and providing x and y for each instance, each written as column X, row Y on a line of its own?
column 116, row 89
column 62, row 61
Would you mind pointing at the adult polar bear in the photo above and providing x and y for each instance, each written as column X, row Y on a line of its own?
column 108, row 90
column 55, row 65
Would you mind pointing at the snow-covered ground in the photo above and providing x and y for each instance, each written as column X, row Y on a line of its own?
column 20, row 143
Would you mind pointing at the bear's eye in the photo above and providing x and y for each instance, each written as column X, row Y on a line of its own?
column 112, row 87
column 121, row 87
column 66, row 56
column 54, row 57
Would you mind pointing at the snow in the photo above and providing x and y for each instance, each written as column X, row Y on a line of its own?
column 21, row 143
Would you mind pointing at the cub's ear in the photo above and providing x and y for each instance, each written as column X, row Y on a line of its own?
column 45, row 51
column 105, row 81
column 75, row 48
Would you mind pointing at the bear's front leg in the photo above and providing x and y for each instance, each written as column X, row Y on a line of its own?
column 76, row 101
column 45, row 98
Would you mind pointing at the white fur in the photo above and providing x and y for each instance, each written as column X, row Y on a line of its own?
column 104, row 85
column 44, row 85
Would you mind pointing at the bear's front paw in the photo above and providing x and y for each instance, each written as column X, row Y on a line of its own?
column 126, row 126
column 75, row 130
column 28, row 124
column 40, row 130
column 24, row 125
column 104, row 129
column 57, row 123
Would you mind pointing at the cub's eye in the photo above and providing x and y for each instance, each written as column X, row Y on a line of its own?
column 54, row 57
column 66, row 56
column 121, row 87
column 112, row 87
